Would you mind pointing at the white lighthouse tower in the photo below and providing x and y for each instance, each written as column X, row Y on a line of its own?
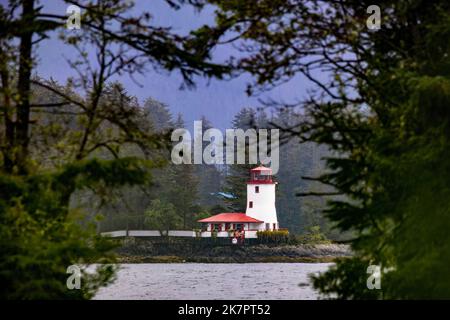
column 261, row 198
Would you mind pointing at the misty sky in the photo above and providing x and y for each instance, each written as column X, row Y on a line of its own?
column 219, row 101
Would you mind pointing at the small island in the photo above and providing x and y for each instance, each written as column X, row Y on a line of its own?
column 140, row 250
column 253, row 236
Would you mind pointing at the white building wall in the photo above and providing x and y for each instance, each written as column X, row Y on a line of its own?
column 256, row 226
column 114, row 234
column 181, row 233
column 144, row 233
column 247, row 226
column 263, row 204
column 250, row 235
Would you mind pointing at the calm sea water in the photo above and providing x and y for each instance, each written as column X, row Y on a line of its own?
column 214, row 281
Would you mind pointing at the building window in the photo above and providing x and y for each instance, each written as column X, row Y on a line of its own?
column 267, row 226
column 274, row 226
column 250, row 204
column 256, row 189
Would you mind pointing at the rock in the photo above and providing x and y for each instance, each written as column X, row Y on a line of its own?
column 145, row 250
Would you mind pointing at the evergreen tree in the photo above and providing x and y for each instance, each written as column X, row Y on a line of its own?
column 184, row 189
column 162, row 216
column 292, row 167
column 238, row 174
column 159, row 115
column 382, row 108
column 209, row 177
column 39, row 235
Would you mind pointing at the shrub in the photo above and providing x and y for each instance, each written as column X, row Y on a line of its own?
column 198, row 232
column 314, row 236
column 275, row 236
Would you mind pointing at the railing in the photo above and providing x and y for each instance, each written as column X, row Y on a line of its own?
column 251, row 234
column 174, row 233
column 260, row 182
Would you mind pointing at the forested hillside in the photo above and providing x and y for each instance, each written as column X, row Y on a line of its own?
column 194, row 190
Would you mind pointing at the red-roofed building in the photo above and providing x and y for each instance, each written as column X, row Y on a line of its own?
column 231, row 217
column 231, row 221
column 260, row 214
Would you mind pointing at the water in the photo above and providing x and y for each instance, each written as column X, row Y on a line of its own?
column 185, row 281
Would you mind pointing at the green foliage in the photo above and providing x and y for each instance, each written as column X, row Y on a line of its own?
column 208, row 177
column 273, row 236
column 314, row 236
column 346, row 280
column 163, row 217
column 41, row 236
column 217, row 209
column 201, row 214
column 383, row 110
column 198, row 233
column 238, row 174
column 88, row 137
column 40, row 239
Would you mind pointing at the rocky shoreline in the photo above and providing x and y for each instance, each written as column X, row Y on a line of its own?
column 150, row 252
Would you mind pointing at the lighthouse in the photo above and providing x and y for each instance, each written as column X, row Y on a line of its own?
column 261, row 198
column 260, row 214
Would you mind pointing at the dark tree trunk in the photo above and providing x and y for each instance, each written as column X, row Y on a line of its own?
column 8, row 161
column 23, row 87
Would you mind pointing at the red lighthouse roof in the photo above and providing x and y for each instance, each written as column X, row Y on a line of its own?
column 230, row 217
column 261, row 168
